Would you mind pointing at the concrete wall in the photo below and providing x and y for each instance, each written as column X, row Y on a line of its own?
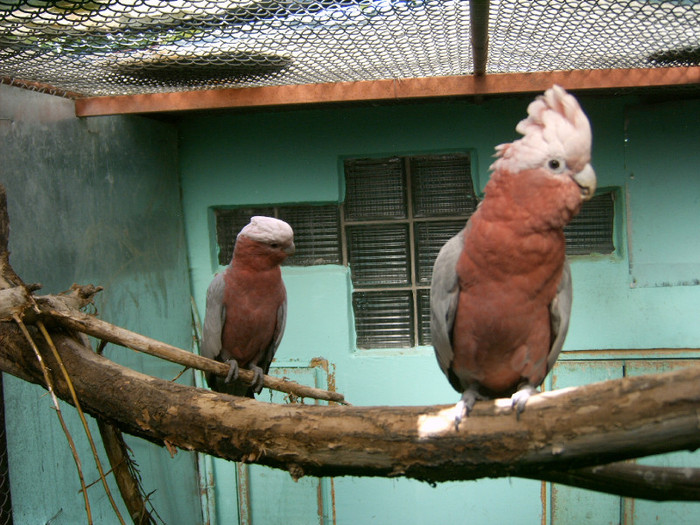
column 94, row 201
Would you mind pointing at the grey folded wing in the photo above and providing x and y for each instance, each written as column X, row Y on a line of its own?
column 559, row 315
column 444, row 296
column 213, row 318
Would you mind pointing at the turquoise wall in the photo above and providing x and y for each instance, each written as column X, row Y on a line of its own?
column 94, row 201
column 98, row 200
column 294, row 156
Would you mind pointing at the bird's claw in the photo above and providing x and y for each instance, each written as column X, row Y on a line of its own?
column 257, row 383
column 519, row 399
column 461, row 411
column 464, row 406
column 232, row 371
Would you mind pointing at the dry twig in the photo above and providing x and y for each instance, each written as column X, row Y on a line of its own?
column 81, row 414
column 54, row 398
column 107, row 332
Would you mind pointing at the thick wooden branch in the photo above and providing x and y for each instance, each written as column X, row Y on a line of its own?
column 559, row 431
column 633, row 481
column 561, row 437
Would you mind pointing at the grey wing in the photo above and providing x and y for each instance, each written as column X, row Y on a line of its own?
column 269, row 354
column 213, row 318
column 559, row 314
column 444, row 295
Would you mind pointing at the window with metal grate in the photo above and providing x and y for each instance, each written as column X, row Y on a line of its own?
column 316, row 231
column 397, row 214
column 592, row 230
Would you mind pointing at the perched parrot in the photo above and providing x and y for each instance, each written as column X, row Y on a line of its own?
column 501, row 293
column 247, row 305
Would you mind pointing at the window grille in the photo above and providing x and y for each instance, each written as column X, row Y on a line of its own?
column 316, row 234
column 591, row 231
column 375, row 189
column 398, row 212
column 384, row 319
column 316, row 231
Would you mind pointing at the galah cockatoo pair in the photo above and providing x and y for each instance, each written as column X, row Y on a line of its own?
column 247, row 305
column 501, row 288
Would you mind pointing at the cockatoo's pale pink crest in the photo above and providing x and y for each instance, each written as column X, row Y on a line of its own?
column 556, row 127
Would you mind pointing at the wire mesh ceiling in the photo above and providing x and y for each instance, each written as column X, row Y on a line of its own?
column 112, row 47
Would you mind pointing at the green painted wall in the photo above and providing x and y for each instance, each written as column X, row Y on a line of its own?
column 98, row 200
column 270, row 157
column 94, row 201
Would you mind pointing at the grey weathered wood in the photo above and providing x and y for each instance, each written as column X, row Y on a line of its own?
column 108, row 332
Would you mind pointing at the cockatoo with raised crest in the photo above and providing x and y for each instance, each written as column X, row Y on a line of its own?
column 501, row 289
column 246, row 305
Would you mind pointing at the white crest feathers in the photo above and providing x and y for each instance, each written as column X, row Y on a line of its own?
column 268, row 230
column 556, row 126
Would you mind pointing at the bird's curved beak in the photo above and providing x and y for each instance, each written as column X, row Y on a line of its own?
column 289, row 250
column 586, row 180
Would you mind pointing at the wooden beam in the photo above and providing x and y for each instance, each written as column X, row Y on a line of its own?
column 392, row 89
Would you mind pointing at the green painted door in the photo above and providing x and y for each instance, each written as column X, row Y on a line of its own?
column 573, row 505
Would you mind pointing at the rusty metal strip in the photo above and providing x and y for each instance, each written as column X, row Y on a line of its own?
column 402, row 89
column 630, row 353
column 40, row 87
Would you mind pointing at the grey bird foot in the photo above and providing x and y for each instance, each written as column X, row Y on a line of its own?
column 519, row 399
column 257, row 383
column 232, row 371
column 464, row 406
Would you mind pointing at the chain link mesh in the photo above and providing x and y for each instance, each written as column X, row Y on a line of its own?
column 547, row 35
column 108, row 47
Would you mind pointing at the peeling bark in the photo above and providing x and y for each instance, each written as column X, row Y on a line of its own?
column 560, row 430
column 566, row 436
column 634, row 481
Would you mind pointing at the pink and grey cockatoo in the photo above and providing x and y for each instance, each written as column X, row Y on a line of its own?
column 501, row 289
column 247, row 305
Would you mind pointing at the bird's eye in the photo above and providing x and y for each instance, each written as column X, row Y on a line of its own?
column 275, row 245
column 556, row 165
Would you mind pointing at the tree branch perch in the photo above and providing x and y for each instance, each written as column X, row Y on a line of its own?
column 560, row 431
column 569, row 436
column 62, row 309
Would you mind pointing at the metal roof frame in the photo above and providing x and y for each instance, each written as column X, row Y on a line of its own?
column 146, row 56
column 385, row 90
